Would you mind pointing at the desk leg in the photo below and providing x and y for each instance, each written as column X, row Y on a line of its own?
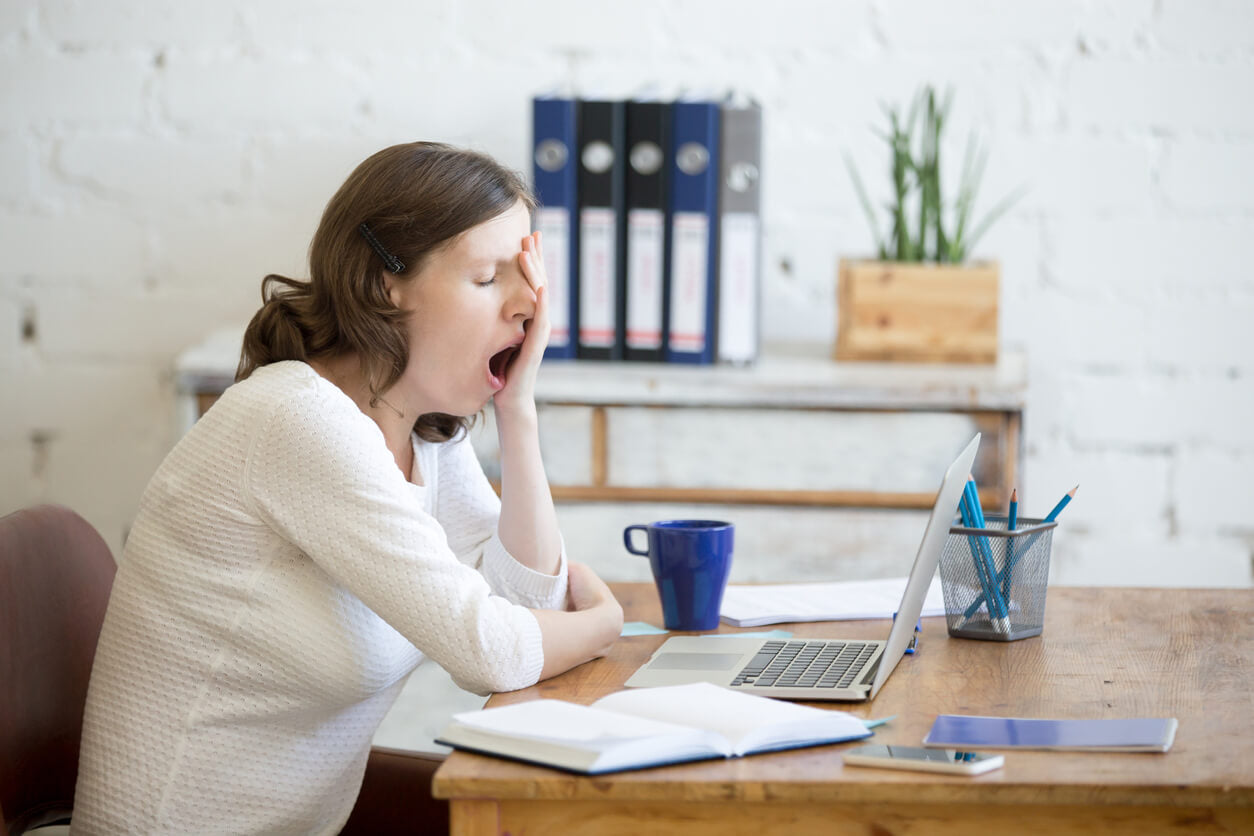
column 474, row 818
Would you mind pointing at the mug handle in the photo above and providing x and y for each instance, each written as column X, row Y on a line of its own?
column 627, row 538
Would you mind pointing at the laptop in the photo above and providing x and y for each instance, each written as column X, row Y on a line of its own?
column 851, row 670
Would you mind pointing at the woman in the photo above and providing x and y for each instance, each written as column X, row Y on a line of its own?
column 326, row 526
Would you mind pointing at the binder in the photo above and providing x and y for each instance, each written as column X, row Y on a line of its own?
column 647, row 198
column 692, row 334
column 554, row 135
column 602, row 229
column 740, row 233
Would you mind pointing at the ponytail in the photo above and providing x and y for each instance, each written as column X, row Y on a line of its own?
column 279, row 330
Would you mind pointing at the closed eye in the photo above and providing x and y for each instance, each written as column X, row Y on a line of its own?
column 489, row 281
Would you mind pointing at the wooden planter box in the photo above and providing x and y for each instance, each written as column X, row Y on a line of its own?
column 916, row 313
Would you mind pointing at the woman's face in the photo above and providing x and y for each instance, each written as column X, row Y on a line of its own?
column 466, row 306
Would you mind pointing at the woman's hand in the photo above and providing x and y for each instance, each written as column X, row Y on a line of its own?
column 520, row 380
column 588, row 629
column 585, row 592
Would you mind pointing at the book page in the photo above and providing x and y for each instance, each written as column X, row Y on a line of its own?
column 749, row 722
column 566, row 722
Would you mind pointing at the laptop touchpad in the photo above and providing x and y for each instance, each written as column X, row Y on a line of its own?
column 695, row 661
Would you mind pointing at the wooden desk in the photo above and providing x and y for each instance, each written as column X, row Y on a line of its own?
column 1159, row 652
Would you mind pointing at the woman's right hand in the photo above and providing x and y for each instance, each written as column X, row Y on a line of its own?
column 586, row 591
column 520, row 383
column 592, row 622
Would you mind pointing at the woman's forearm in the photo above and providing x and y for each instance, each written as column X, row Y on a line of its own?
column 528, row 523
column 572, row 638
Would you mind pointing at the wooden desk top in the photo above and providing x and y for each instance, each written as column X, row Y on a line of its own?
column 1153, row 652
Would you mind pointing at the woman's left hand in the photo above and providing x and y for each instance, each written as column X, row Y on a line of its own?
column 520, row 381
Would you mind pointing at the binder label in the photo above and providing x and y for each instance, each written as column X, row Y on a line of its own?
column 596, row 270
column 738, row 299
column 645, row 231
column 554, row 227
column 690, row 249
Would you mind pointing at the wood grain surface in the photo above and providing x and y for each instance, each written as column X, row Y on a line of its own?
column 1107, row 652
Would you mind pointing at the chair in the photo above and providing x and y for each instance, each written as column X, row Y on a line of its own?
column 55, row 576
column 395, row 796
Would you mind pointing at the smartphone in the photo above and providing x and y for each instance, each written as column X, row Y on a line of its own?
column 952, row 761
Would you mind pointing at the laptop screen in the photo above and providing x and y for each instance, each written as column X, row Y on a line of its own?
column 925, row 561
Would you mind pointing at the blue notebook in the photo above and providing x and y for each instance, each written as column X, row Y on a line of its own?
column 1140, row 734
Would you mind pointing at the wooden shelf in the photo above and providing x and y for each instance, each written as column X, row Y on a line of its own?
column 795, row 429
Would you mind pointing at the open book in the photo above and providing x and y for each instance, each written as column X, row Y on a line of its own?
column 644, row 727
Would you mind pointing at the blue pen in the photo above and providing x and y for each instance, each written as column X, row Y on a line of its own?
column 914, row 640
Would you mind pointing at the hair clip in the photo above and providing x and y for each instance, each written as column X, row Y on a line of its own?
column 390, row 261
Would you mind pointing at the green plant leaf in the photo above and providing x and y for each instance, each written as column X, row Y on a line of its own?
column 1002, row 207
column 865, row 200
column 915, row 146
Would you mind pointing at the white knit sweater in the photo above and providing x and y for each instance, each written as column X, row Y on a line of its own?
column 281, row 581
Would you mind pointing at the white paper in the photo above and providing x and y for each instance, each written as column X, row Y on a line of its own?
column 689, row 271
column 743, row 719
column 559, row 721
column 554, row 227
column 749, row 606
column 738, row 292
column 597, row 294
column 645, row 236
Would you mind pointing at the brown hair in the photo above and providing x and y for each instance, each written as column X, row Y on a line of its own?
column 414, row 199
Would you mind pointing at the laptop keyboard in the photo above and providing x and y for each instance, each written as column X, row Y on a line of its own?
column 805, row 664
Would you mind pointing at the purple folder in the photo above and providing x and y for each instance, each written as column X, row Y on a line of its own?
column 1140, row 734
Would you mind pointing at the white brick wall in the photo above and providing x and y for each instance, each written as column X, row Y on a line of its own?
column 157, row 159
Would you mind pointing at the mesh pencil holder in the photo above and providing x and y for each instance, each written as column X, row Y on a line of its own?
column 1011, row 567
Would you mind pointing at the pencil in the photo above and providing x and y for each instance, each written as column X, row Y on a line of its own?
column 1051, row 517
column 1002, row 579
column 985, row 548
column 997, row 611
column 1012, row 519
column 1062, row 503
column 977, row 559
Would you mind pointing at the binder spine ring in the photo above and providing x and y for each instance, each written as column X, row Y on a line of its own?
column 692, row 158
column 646, row 158
column 551, row 154
column 598, row 157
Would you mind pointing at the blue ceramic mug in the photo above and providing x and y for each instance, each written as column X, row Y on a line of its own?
column 690, row 560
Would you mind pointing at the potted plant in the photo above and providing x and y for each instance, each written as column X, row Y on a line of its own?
column 922, row 300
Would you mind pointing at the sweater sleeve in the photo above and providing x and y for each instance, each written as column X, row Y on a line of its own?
column 470, row 510
column 320, row 475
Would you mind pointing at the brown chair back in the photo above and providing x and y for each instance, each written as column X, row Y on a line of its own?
column 55, row 575
column 396, row 798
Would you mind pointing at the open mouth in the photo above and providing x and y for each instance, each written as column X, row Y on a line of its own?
column 498, row 365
